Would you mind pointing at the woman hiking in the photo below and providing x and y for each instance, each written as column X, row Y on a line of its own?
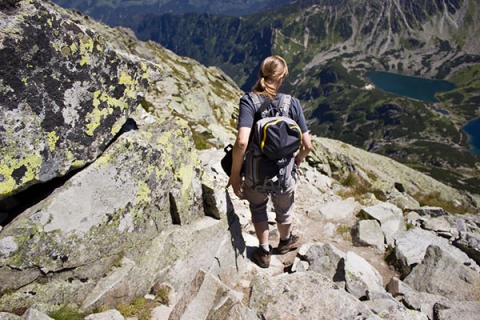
column 273, row 71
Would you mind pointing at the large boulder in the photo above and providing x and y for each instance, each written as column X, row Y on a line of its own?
column 387, row 307
column 369, row 234
column 337, row 211
column 420, row 301
column 304, row 295
column 64, row 94
column 208, row 298
column 389, row 216
column 412, row 245
column 114, row 226
column 467, row 310
column 323, row 258
column 443, row 274
column 360, row 277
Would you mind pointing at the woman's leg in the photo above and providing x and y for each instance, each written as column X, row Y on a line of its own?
column 258, row 209
column 261, row 230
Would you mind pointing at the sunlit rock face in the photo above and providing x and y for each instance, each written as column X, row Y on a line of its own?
column 63, row 94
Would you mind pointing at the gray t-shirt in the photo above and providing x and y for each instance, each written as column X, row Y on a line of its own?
column 247, row 112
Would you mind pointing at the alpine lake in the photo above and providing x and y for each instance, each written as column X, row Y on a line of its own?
column 423, row 89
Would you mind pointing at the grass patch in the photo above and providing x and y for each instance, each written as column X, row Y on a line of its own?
column 118, row 260
column 201, row 140
column 162, row 292
column 66, row 313
column 344, row 231
column 137, row 308
column 359, row 188
column 356, row 186
column 434, row 199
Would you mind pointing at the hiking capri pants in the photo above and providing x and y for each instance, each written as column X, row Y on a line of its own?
column 282, row 202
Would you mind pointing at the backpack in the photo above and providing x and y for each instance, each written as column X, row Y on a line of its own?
column 275, row 137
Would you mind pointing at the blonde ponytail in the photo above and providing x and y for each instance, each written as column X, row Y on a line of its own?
column 271, row 74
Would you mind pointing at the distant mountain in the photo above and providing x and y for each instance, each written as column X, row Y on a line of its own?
column 118, row 12
column 408, row 37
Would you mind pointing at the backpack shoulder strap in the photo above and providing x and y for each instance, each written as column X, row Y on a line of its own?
column 284, row 104
column 255, row 99
column 260, row 106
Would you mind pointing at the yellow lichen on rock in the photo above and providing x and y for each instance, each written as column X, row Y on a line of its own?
column 86, row 48
column 52, row 140
column 30, row 164
column 129, row 83
column 93, row 120
column 144, row 192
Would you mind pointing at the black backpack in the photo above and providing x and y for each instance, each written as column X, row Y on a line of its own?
column 275, row 137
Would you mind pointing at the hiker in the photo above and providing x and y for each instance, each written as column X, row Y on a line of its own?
column 273, row 71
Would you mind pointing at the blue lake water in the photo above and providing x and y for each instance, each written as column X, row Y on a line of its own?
column 423, row 89
column 413, row 87
column 472, row 129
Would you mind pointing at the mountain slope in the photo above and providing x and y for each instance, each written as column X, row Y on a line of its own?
column 413, row 39
column 330, row 44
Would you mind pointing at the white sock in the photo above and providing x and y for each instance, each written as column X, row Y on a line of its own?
column 265, row 247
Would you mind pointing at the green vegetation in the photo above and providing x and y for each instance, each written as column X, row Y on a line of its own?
column 201, row 140
column 406, row 130
column 356, row 184
column 344, row 231
column 435, row 200
column 137, row 308
column 66, row 312
column 140, row 308
column 162, row 293
column 118, row 260
column 359, row 188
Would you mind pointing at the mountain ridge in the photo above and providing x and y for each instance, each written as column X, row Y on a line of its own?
column 329, row 45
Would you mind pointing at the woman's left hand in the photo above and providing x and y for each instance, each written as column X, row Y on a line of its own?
column 237, row 185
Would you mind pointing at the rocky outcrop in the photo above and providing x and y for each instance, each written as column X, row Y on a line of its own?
column 64, row 94
column 137, row 187
column 442, row 274
column 205, row 97
column 304, row 295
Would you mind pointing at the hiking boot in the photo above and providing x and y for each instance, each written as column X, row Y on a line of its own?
column 285, row 246
column 261, row 257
